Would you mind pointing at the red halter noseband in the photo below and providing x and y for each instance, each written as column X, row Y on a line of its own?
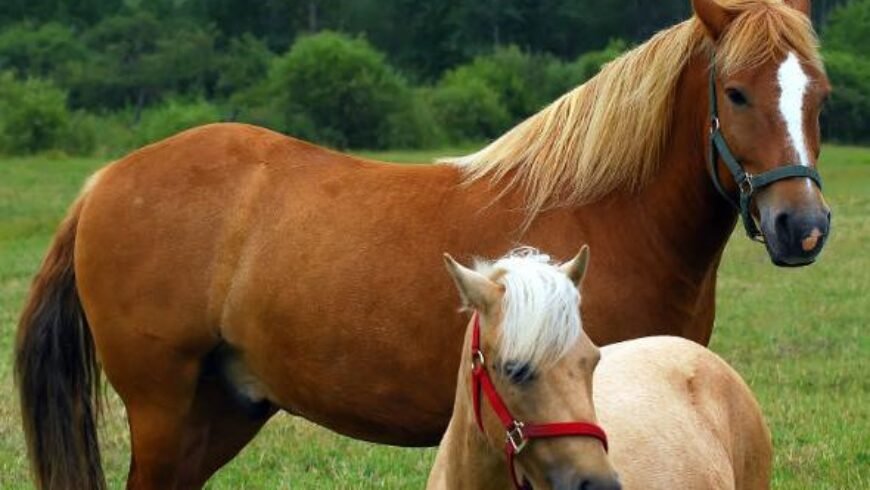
column 518, row 433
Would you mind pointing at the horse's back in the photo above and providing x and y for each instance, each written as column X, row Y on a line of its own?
column 680, row 417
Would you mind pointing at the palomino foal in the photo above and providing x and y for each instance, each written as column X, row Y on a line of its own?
column 523, row 413
column 676, row 415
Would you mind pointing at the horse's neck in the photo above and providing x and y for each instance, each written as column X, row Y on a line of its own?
column 658, row 249
column 678, row 219
column 465, row 458
column 694, row 221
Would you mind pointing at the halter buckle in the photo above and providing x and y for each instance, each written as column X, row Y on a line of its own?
column 515, row 436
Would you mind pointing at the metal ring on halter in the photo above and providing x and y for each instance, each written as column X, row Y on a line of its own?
column 516, row 438
column 715, row 125
column 477, row 360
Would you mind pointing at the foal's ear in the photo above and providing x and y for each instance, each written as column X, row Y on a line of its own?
column 575, row 268
column 714, row 16
column 476, row 290
column 801, row 5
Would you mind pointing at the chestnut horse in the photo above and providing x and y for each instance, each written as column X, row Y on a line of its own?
column 229, row 272
column 676, row 415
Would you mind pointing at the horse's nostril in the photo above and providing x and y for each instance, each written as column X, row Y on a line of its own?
column 782, row 224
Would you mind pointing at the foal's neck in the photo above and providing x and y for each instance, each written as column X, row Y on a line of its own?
column 465, row 458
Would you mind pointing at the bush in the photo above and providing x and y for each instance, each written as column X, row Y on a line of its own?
column 589, row 64
column 33, row 115
column 414, row 125
column 468, row 109
column 848, row 28
column 80, row 137
column 847, row 116
column 516, row 77
column 172, row 117
column 336, row 90
column 245, row 64
column 39, row 51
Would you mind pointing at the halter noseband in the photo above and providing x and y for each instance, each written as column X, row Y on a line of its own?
column 747, row 184
column 517, row 433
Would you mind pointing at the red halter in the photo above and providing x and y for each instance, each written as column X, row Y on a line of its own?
column 517, row 433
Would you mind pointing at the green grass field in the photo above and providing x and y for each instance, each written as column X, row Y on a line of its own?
column 797, row 336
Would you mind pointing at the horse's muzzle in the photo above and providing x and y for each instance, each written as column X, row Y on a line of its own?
column 795, row 239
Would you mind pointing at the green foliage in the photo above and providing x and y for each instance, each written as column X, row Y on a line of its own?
column 468, row 109
column 139, row 59
column 171, row 117
column 847, row 115
column 414, row 124
column 33, row 115
column 80, row 137
column 848, row 28
column 39, row 50
column 245, row 63
column 336, row 90
column 515, row 76
column 847, row 46
column 118, row 58
column 560, row 78
column 589, row 64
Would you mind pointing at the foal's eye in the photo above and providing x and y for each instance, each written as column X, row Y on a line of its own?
column 518, row 372
column 736, row 97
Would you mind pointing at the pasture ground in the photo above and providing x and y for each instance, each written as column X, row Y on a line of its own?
column 797, row 336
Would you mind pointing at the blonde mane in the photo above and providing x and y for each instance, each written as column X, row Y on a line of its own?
column 541, row 306
column 610, row 133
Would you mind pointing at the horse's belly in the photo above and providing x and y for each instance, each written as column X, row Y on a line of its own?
column 365, row 387
column 372, row 356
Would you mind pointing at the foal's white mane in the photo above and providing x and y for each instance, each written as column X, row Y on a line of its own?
column 541, row 307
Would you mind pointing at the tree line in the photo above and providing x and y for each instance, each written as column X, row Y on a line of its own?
column 348, row 73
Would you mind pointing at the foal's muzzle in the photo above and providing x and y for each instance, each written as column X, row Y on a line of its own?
column 567, row 481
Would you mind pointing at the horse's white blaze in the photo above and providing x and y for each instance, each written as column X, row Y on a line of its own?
column 793, row 84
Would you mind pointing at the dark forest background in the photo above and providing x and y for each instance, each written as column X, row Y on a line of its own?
column 105, row 76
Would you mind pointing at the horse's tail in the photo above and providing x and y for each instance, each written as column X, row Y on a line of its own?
column 57, row 373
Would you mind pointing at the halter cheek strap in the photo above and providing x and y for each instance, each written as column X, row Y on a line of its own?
column 517, row 433
column 747, row 185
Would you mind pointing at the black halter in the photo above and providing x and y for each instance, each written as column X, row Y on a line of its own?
column 747, row 184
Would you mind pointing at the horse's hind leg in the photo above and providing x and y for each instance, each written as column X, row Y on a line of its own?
column 228, row 424
column 187, row 430
column 159, row 412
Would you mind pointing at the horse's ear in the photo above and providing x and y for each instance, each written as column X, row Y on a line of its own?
column 714, row 16
column 801, row 5
column 575, row 268
column 476, row 290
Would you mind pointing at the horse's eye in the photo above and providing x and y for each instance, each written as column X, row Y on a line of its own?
column 518, row 372
column 736, row 97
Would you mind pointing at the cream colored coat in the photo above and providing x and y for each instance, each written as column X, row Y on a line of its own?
column 679, row 417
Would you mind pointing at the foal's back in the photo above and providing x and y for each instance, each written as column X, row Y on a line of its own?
column 678, row 416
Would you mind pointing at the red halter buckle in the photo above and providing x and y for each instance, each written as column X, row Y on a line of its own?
column 517, row 433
